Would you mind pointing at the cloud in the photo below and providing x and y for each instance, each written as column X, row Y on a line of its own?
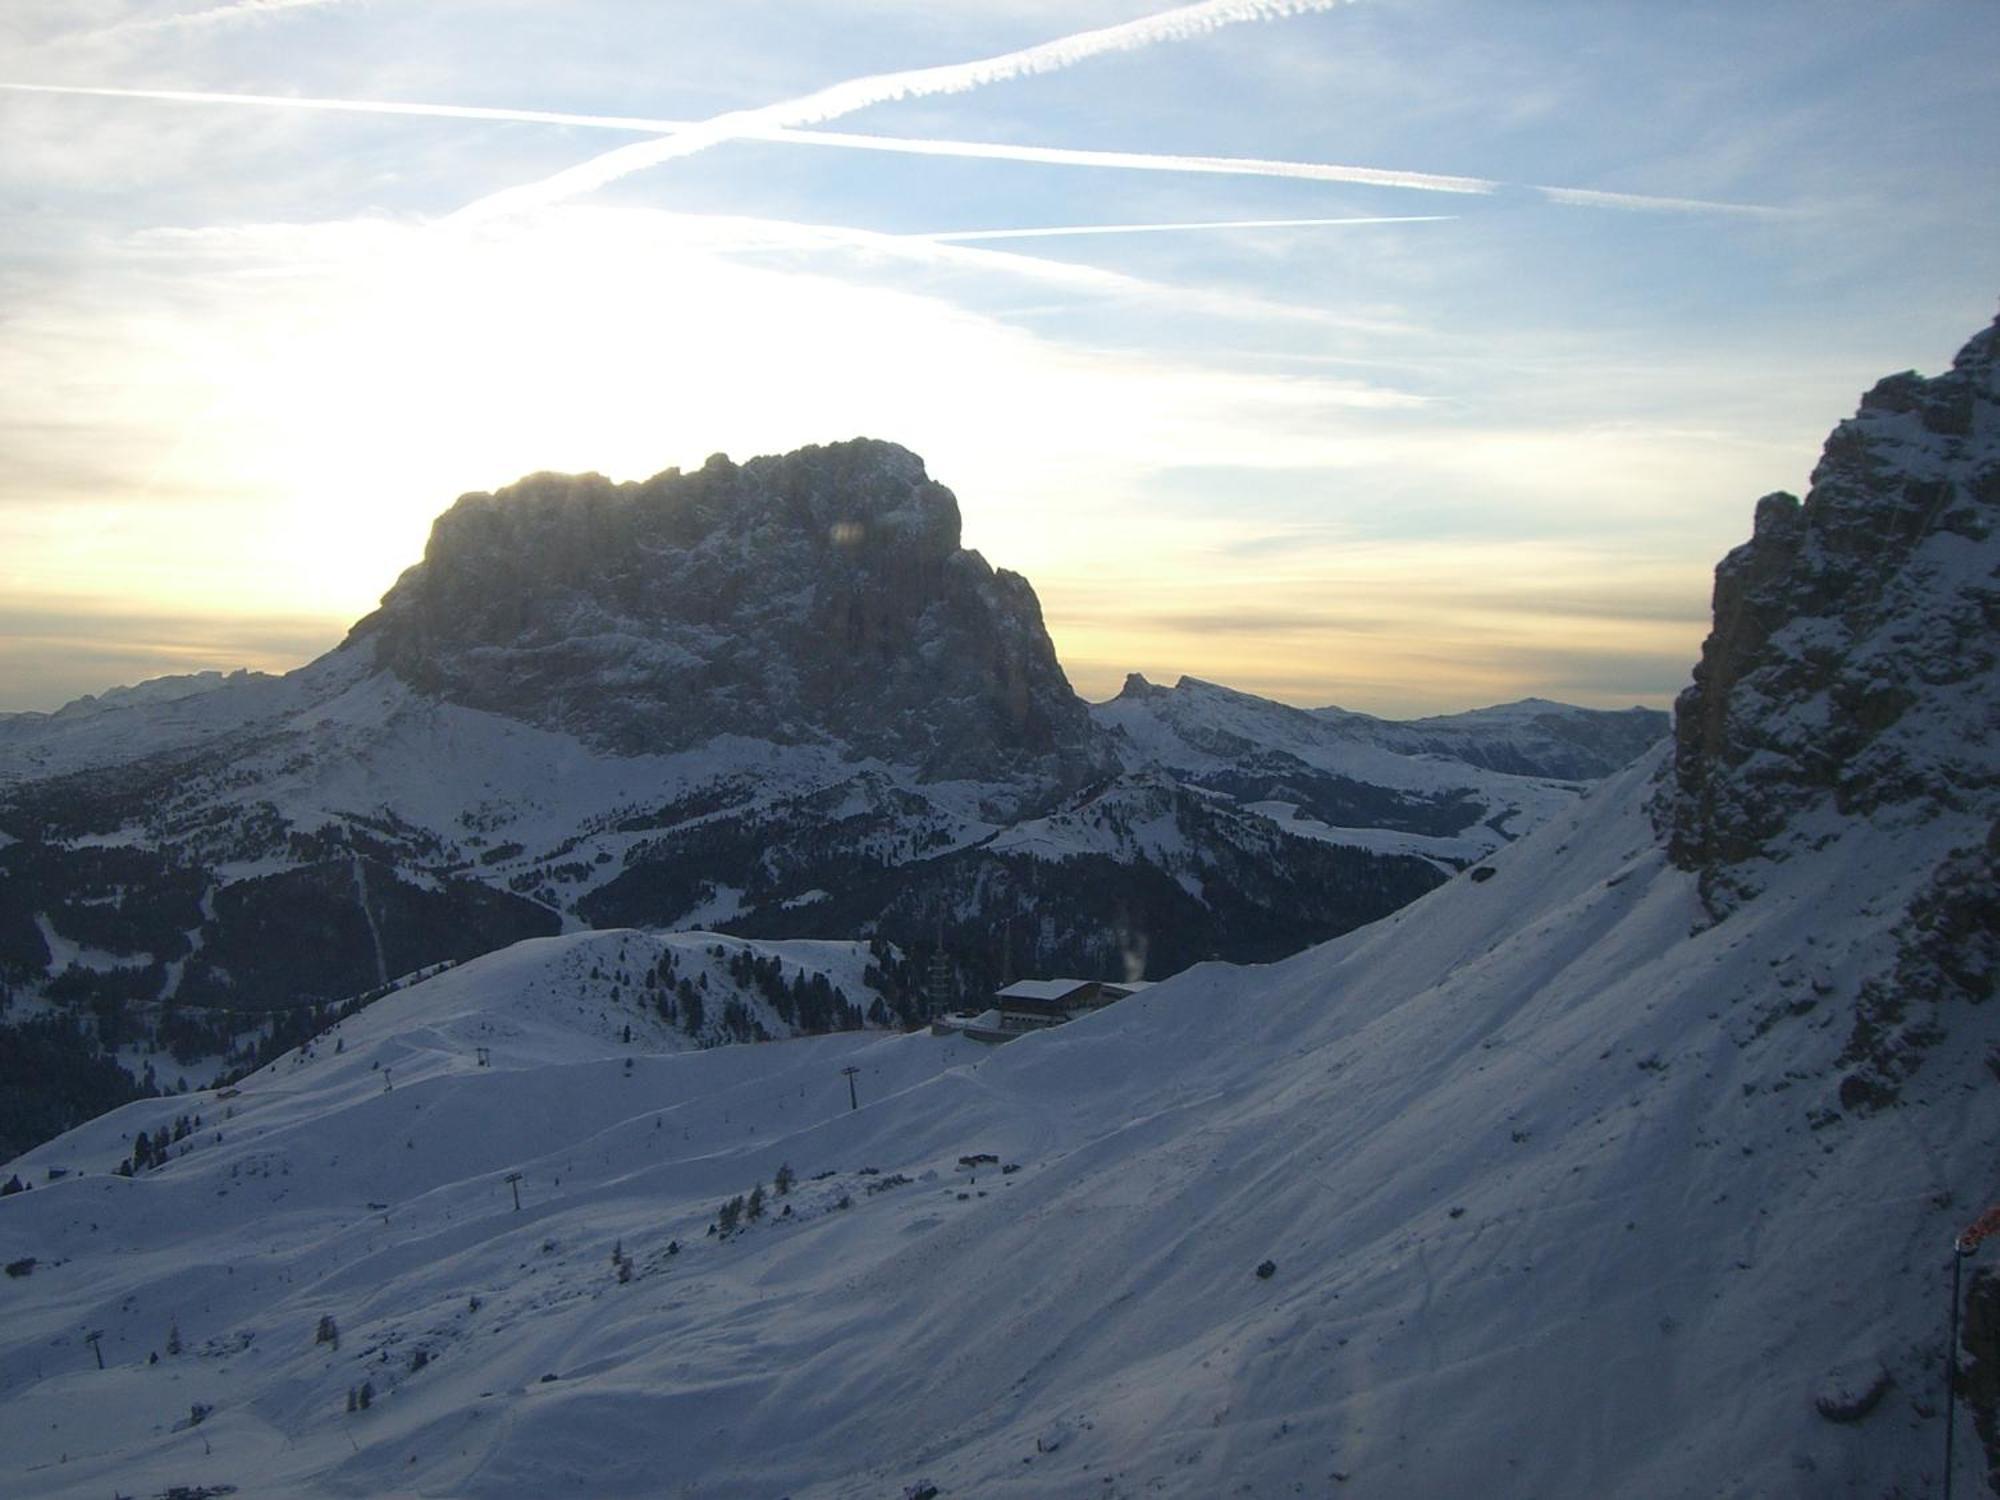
column 1257, row 620
column 54, row 653
column 1180, row 24
column 630, row 123
column 1647, row 203
column 747, row 236
column 1058, row 230
column 214, row 15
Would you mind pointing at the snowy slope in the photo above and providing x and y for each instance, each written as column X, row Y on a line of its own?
column 258, row 843
column 776, row 697
column 1529, row 1157
column 1447, row 790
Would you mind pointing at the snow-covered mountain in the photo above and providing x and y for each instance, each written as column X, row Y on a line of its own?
column 1450, row 789
column 777, row 698
column 1557, row 1182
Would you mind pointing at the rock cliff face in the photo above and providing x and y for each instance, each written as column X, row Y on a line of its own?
column 820, row 596
column 1851, row 667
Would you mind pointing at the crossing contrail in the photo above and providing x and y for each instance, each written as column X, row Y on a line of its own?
column 831, row 103
column 1066, row 156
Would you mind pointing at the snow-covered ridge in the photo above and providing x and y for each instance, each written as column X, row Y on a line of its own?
column 1852, row 664
column 1448, row 790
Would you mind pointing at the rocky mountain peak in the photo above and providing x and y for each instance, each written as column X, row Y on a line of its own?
column 1851, row 666
column 820, row 595
column 1137, row 688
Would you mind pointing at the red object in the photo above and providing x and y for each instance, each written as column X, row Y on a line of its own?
column 1983, row 1227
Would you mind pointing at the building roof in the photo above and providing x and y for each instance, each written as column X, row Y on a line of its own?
column 1044, row 989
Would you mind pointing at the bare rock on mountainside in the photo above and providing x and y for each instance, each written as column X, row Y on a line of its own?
column 818, row 595
column 1851, row 665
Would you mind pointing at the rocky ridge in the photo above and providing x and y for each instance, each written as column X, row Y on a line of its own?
column 821, row 596
column 1852, row 681
column 1851, row 666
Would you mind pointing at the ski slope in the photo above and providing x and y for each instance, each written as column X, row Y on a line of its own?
column 1543, row 1164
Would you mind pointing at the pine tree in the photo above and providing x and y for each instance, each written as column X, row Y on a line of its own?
column 174, row 1336
column 327, row 1332
column 755, row 1207
column 784, row 1180
column 730, row 1215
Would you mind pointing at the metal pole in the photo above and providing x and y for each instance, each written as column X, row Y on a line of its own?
column 1958, row 1254
column 853, row 1103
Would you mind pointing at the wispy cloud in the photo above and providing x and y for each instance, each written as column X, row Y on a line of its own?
column 214, row 15
column 1180, row 24
column 1648, row 203
column 1058, row 230
column 629, row 123
column 1058, row 156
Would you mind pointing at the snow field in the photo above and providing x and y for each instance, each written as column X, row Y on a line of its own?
column 1535, row 1159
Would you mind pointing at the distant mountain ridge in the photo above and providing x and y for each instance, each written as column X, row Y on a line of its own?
column 775, row 698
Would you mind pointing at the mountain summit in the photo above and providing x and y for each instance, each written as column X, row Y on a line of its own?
column 817, row 596
column 1850, row 666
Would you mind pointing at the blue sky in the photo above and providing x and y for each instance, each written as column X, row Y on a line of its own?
column 1487, row 445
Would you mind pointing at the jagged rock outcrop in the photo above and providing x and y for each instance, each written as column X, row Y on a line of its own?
column 1851, row 667
column 817, row 596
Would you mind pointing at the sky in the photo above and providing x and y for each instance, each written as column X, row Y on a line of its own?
column 1406, row 355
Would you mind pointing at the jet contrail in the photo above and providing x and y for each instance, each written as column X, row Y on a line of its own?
column 1594, row 198
column 840, row 99
column 630, row 123
column 1062, row 156
column 237, row 10
column 961, row 235
column 1067, row 156
column 1143, row 161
